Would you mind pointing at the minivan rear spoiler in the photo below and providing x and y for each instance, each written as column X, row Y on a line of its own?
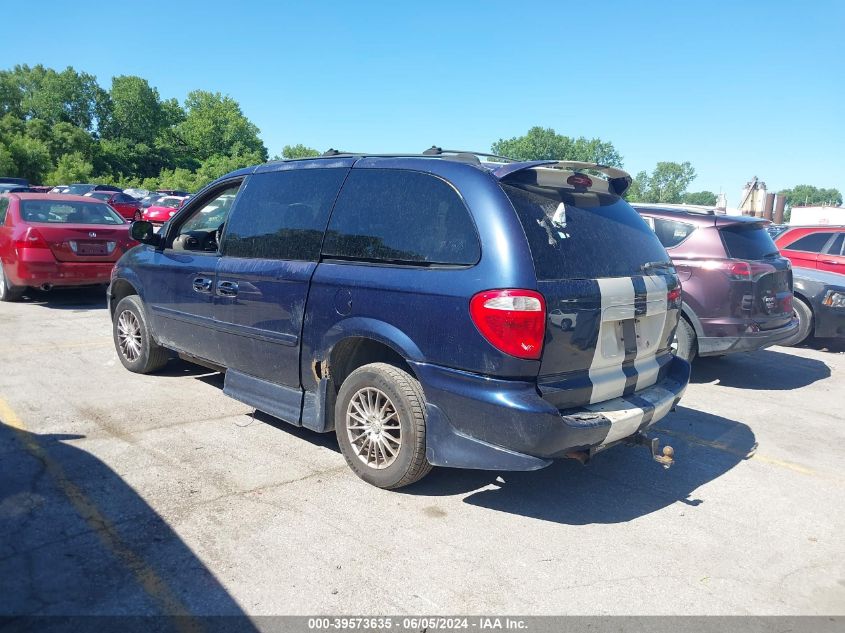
column 618, row 179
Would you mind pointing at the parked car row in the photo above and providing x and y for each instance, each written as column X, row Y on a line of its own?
column 559, row 320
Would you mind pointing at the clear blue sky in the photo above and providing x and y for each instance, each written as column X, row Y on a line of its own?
column 736, row 88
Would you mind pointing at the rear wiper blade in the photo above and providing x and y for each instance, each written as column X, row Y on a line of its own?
column 651, row 265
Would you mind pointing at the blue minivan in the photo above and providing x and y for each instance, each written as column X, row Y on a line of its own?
column 441, row 309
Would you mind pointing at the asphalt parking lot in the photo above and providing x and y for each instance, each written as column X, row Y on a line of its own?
column 135, row 494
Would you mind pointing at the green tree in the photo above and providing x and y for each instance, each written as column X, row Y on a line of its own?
column 73, row 167
column 298, row 151
column 30, row 156
column 546, row 144
column 666, row 183
column 706, row 198
column 65, row 138
column 137, row 113
column 42, row 93
column 808, row 195
column 7, row 163
column 215, row 125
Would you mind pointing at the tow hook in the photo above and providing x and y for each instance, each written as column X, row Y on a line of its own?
column 665, row 458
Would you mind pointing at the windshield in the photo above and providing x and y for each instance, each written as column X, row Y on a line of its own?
column 56, row 212
column 584, row 235
column 79, row 190
column 99, row 195
column 171, row 203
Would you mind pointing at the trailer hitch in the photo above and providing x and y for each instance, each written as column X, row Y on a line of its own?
column 665, row 458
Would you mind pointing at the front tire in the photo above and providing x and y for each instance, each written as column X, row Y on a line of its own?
column 135, row 346
column 8, row 292
column 804, row 314
column 380, row 425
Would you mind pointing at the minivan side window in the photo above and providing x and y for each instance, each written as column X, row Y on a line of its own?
column 200, row 230
column 4, row 206
column 812, row 243
column 283, row 214
column 401, row 216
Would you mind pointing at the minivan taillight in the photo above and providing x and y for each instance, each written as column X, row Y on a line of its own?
column 514, row 321
column 31, row 239
column 673, row 297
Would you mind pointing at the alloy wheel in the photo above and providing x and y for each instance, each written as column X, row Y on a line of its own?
column 373, row 428
column 129, row 335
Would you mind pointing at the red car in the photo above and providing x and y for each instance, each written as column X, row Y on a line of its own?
column 163, row 209
column 124, row 204
column 819, row 247
column 51, row 240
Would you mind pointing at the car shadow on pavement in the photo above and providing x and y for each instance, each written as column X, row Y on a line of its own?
column 832, row 345
column 765, row 369
column 616, row 486
column 85, row 298
column 75, row 540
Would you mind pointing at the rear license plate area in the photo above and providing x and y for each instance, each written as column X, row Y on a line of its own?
column 91, row 248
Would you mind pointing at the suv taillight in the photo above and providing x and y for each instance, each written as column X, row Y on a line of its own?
column 31, row 239
column 738, row 269
column 514, row 321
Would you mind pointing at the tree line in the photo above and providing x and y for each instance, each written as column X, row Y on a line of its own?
column 60, row 127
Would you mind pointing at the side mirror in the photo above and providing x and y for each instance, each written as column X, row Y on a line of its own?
column 142, row 231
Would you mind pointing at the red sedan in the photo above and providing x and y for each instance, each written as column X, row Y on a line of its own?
column 51, row 240
column 124, row 204
column 163, row 209
column 819, row 247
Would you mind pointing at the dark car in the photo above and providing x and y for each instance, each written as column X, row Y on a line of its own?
column 80, row 189
column 737, row 287
column 9, row 180
column 819, row 304
column 124, row 204
column 174, row 192
column 819, row 247
column 406, row 302
column 51, row 240
column 12, row 187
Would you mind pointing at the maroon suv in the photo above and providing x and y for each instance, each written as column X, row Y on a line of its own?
column 737, row 288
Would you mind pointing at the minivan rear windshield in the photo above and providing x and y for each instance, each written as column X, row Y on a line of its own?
column 583, row 235
column 748, row 241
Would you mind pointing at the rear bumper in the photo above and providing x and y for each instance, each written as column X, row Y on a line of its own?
column 486, row 423
column 745, row 341
column 37, row 273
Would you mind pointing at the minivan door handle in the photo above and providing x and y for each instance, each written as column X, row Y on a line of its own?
column 201, row 284
column 227, row 288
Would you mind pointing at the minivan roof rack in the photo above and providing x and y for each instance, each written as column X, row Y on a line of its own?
column 431, row 152
column 434, row 150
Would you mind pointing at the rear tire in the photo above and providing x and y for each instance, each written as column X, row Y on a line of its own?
column 686, row 345
column 805, row 323
column 380, row 425
column 8, row 292
column 135, row 346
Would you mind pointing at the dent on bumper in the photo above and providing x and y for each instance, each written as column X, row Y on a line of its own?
column 485, row 423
